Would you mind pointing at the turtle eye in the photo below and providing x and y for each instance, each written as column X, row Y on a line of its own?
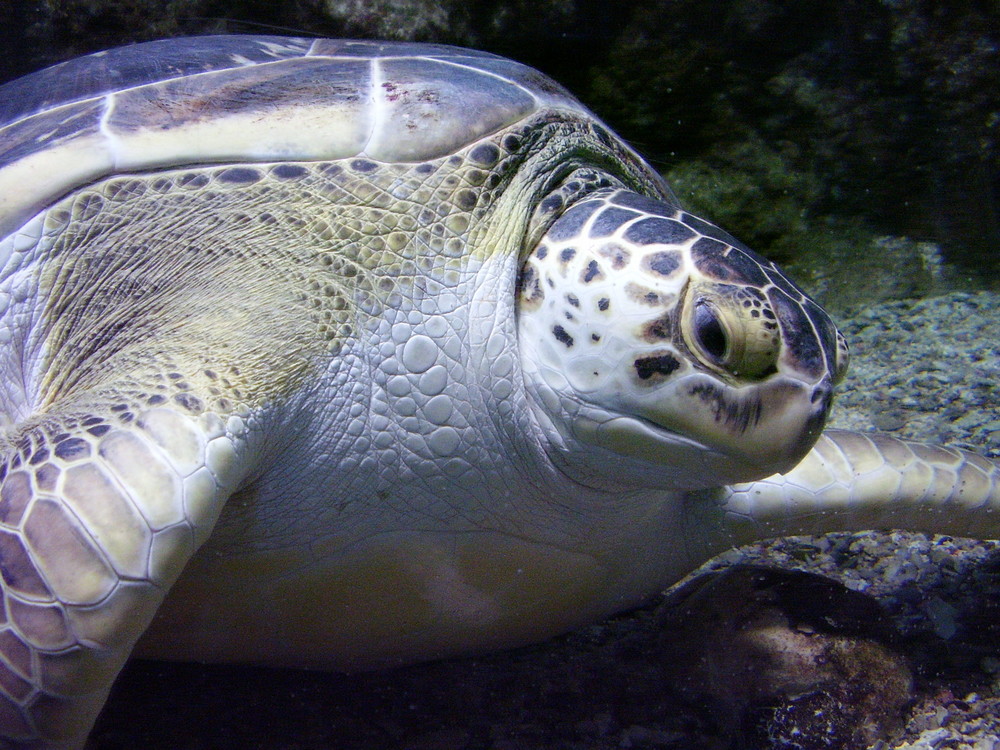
column 709, row 333
column 727, row 330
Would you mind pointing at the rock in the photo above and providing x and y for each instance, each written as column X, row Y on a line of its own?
column 785, row 659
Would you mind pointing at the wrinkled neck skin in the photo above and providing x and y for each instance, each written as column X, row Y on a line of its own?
column 449, row 439
column 419, row 485
column 605, row 471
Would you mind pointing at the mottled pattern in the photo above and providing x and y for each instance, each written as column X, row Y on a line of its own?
column 626, row 295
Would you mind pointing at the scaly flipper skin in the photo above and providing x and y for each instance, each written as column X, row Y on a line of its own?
column 871, row 481
column 98, row 515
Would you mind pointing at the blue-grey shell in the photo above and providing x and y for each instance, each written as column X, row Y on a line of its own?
column 251, row 98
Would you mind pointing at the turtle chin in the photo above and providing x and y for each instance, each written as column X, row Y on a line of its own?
column 707, row 433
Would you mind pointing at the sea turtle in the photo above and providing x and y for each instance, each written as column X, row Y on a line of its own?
column 345, row 354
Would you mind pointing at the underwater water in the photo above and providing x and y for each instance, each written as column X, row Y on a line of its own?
column 857, row 144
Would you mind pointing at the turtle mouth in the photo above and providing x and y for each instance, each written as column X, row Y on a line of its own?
column 672, row 460
column 714, row 435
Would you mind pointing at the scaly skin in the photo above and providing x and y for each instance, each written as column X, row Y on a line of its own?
column 857, row 481
column 353, row 412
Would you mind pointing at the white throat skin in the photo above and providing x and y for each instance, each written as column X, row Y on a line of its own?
column 657, row 350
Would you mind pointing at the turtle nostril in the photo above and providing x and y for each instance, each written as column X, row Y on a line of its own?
column 822, row 396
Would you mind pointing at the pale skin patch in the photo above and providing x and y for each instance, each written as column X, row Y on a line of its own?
column 434, row 596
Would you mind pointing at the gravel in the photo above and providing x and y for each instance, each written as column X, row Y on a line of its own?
column 927, row 370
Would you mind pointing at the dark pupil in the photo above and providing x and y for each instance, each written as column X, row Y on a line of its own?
column 709, row 332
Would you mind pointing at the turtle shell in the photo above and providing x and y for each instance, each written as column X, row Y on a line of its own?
column 251, row 99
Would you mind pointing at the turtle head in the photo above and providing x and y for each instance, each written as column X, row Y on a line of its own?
column 659, row 343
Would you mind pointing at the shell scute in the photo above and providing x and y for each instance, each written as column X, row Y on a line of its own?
column 251, row 99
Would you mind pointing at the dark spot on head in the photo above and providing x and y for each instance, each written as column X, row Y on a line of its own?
column 658, row 231
column 567, row 255
column 663, row 364
column 603, row 304
column 569, row 224
column 573, row 300
column 72, row 449
column 486, row 154
column 560, row 333
column 288, row 171
column 826, row 330
column 609, row 220
column 709, row 230
column 709, row 258
column 529, row 287
column 724, row 263
column 99, row 430
column 738, row 415
column 663, row 263
column 642, row 294
column 659, row 329
column 784, row 284
column 591, row 272
column 363, row 165
column 802, row 346
column 642, row 203
column 239, row 176
column 618, row 255
column 424, row 168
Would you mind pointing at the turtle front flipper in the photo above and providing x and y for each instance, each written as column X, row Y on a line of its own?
column 854, row 481
column 101, row 505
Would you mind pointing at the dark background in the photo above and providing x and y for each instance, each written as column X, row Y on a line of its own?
column 807, row 129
